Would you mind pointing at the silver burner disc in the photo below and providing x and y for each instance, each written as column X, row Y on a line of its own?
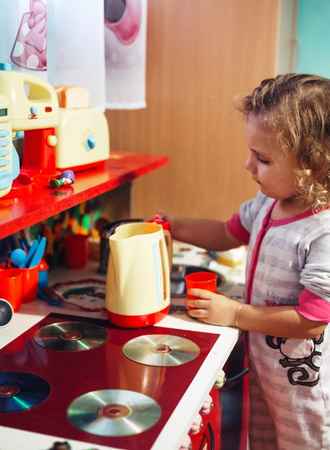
column 71, row 336
column 114, row 412
column 161, row 350
column 20, row 391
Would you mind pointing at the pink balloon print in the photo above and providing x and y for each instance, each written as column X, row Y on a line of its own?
column 29, row 49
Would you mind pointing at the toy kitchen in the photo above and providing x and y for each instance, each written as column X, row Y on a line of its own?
column 73, row 379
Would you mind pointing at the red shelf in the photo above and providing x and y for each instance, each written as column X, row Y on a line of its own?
column 21, row 212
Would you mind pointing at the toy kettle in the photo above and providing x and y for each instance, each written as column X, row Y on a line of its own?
column 138, row 275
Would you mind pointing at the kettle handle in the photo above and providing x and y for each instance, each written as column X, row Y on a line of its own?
column 164, row 222
column 169, row 246
column 165, row 261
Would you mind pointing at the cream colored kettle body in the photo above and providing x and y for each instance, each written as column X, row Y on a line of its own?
column 138, row 275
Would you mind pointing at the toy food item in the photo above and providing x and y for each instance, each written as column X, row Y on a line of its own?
column 72, row 97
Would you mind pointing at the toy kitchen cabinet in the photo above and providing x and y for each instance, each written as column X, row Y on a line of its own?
column 52, row 394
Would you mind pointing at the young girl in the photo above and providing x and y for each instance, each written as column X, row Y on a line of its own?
column 287, row 230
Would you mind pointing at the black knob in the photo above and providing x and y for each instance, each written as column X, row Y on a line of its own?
column 6, row 312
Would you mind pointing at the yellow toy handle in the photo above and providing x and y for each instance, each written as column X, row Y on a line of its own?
column 169, row 246
column 166, row 263
column 163, row 221
column 39, row 90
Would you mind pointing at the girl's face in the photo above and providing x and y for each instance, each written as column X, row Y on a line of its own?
column 269, row 166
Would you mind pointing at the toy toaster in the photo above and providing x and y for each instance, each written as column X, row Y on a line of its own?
column 82, row 131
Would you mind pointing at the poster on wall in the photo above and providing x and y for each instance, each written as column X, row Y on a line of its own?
column 76, row 46
column 99, row 45
column 125, row 53
column 60, row 41
column 23, row 42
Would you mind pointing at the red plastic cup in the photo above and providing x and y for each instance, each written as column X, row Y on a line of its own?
column 76, row 251
column 201, row 280
column 11, row 287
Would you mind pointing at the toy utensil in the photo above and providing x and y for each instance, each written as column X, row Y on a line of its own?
column 18, row 257
column 39, row 253
column 31, row 252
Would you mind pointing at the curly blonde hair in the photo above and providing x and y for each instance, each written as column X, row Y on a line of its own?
column 297, row 107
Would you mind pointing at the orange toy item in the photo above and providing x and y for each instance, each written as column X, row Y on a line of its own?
column 30, row 278
column 42, row 158
column 11, row 286
column 72, row 97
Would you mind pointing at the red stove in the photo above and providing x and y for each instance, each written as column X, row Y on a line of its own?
column 208, row 438
column 69, row 383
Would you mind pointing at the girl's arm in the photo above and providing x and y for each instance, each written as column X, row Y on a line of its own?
column 208, row 234
column 282, row 321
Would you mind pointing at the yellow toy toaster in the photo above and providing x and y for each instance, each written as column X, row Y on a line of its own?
column 82, row 132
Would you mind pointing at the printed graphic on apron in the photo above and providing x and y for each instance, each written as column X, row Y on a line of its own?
column 301, row 357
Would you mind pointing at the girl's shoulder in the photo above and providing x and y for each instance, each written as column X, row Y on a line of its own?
column 314, row 227
column 255, row 209
column 260, row 204
column 320, row 220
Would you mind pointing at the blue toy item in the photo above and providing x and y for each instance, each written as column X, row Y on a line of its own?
column 31, row 252
column 38, row 253
column 68, row 174
column 9, row 161
column 4, row 65
column 43, row 279
column 18, row 257
column 65, row 178
column 90, row 142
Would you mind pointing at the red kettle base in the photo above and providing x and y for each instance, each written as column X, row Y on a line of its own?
column 145, row 320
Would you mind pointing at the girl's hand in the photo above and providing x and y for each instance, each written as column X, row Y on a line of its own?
column 213, row 308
